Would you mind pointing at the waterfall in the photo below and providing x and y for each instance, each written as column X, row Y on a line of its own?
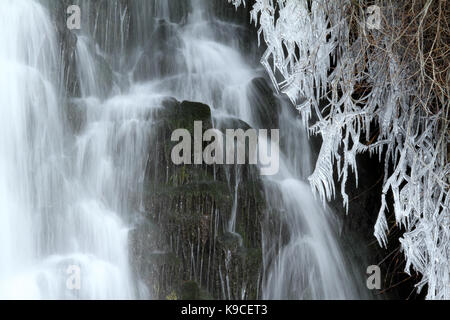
column 70, row 199
column 309, row 264
column 31, row 143
column 59, row 210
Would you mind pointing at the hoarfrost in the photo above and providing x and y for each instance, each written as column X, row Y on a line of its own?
column 354, row 82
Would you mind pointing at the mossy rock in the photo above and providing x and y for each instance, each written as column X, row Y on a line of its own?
column 230, row 241
column 190, row 290
column 214, row 189
column 183, row 115
column 192, row 205
column 164, row 259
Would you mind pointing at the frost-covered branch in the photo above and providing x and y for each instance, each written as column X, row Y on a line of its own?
column 380, row 91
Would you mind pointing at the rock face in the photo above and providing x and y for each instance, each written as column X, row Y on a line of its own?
column 68, row 44
column 160, row 57
column 185, row 240
column 260, row 93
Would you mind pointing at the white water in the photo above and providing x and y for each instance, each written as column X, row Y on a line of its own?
column 58, row 207
column 71, row 200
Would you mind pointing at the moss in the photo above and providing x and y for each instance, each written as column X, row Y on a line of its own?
column 167, row 259
column 190, row 291
column 172, row 296
column 215, row 189
column 230, row 241
column 191, row 205
column 183, row 115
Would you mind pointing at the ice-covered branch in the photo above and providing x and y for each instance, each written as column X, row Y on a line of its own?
column 382, row 91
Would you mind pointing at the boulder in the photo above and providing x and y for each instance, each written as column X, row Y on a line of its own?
column 187, row 214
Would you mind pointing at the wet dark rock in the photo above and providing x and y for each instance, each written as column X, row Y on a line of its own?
column 190, row 291
column 161, row 56
column 68, row 43
column 231, row 123
column 186, row 218
column 357, row 233
column 227, row 11
column 76, row 114
column 265, row 107
column 142, row 25
column 104, row 75
column 239, row 20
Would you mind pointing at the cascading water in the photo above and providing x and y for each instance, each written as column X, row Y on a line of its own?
column 31, row 139
column 309, row 263
column 59, row 208
column 71, row 199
